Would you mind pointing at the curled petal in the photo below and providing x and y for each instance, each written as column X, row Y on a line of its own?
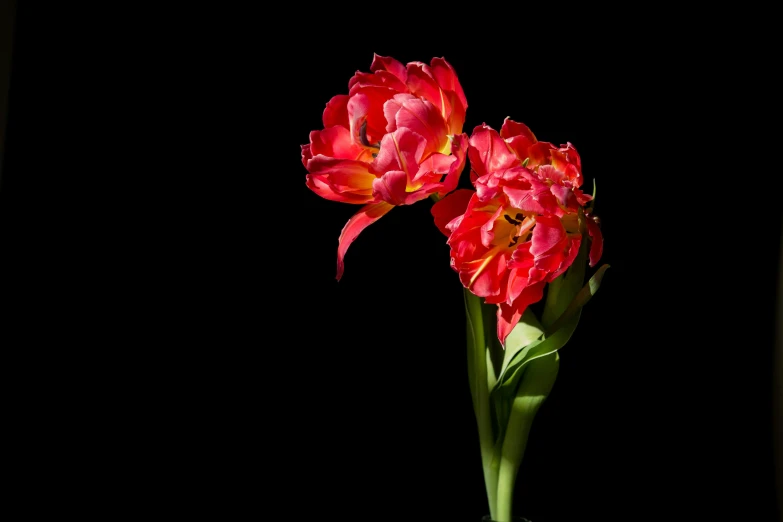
column 400, row 150
column 306, row 154
column 336, row 142
column 519, row 138
column 424, row 119
column 365, row 110
column 449, row 208
column 597, row 245
column 391, row 187
column 452, row 90
column 550, row 243
column 386, row 63
column 368, row 215
column 459, row 148
column 342, row 180
column 392, row 107
column 422, row 83
column 447, row 79
column 378, row 79
column 488, row 151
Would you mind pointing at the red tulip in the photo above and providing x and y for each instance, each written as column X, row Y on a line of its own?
column 521, row 228
column 394, row 139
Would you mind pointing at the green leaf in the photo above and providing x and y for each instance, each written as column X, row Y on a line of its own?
column 527, row 330
column 562, row 290
column 581, row 299
column 555, row 337
column 506, row 389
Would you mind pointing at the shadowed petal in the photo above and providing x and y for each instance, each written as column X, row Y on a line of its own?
column 597, row 245
column 450, row 207
column 368, row 215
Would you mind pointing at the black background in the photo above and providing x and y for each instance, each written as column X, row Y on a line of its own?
column 157, row 225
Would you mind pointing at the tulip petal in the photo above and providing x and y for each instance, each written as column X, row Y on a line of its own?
column 549, row 243
column 450, row 207
column 391, row 187
column 423, row 85
column 508, row 316
column 597, row 244
column 489, row 152
column 423, row 118
column 386, row 63
column 342, row 180
column 336, row 112
column 365, row 109
column 368, row 215
column 400, row 150
column 459, row 148
column 336, row 142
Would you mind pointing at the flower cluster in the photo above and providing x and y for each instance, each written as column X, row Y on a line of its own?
column 396, row 138
column 523, row 225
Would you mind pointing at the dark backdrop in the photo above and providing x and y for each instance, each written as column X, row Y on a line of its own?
column 153, row 172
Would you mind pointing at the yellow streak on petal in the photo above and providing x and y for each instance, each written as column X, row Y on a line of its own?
column 490, row 256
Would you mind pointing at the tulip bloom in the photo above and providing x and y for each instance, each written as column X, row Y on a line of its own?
column 394, row 139
column 522, row 227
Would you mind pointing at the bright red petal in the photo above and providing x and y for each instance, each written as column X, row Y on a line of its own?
column 368, row 215
column 336, row 142
column 550, row 243
column 386, row 63
column 597, row 245
column 488, row 151
column 449, row 208
column 336, row 112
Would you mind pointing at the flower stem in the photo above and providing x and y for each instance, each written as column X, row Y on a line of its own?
column 535, row 386
column 479, row 389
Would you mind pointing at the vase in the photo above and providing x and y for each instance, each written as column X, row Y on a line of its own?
column 513, row 519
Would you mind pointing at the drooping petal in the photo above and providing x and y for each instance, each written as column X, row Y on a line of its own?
column 597, row 245
column 450, row 207
column 368, row 215
column 488, row 151
column 336, row 112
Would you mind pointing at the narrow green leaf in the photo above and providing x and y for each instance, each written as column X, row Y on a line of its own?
column 579, row 300
column 562, row 290
column 527, row 330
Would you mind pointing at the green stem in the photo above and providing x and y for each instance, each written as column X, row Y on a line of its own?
column 479, row 388
column 536, row 384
